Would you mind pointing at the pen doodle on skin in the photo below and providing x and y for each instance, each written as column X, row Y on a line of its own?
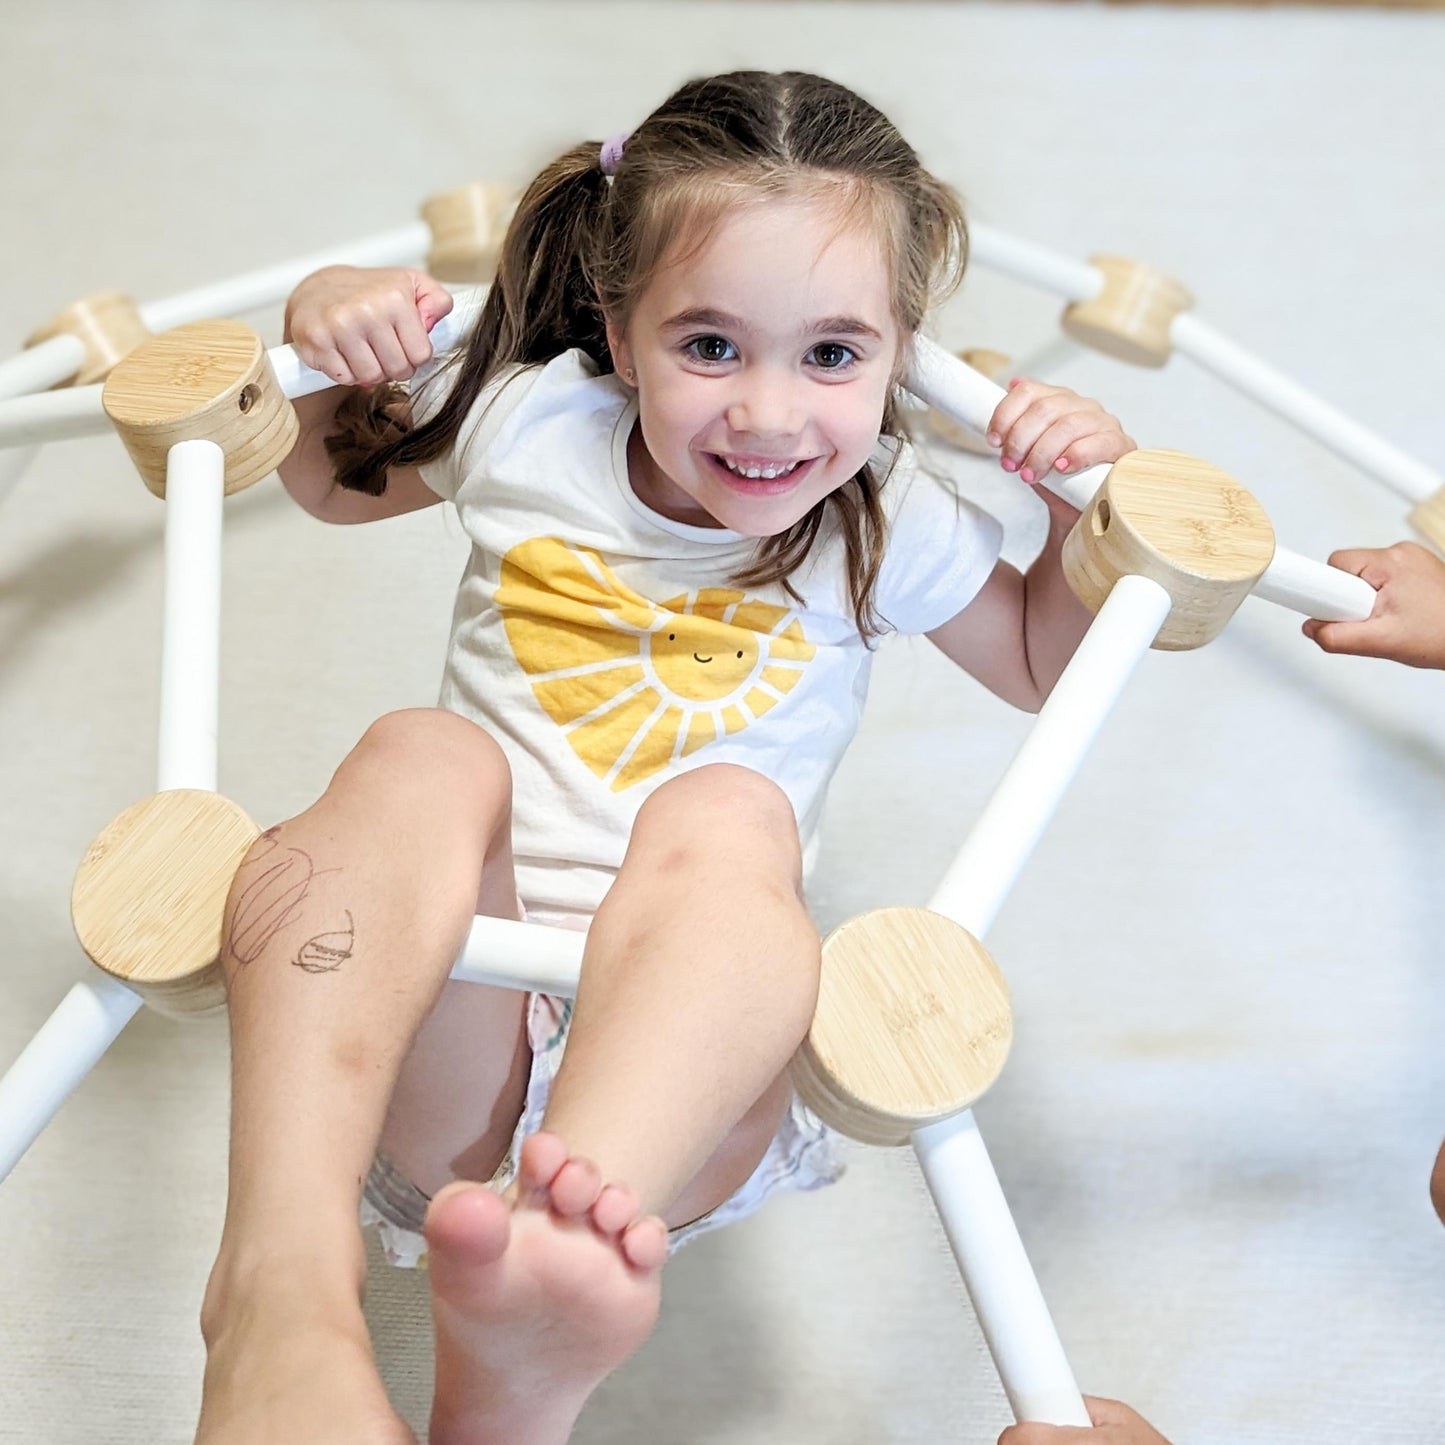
column 321, row 954
column 273, row 898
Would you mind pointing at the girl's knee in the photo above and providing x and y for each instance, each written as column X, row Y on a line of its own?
column 427, row 747
column 724, row 811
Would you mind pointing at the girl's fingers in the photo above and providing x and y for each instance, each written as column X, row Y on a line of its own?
column 1072, row 436
column 361, row 360
column 1022, row 393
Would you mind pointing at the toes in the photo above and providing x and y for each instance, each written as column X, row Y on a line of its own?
column 542, row 1156
column 469, row 1222
column 644, row 1246
column 575, row 1188
column 615, row 1209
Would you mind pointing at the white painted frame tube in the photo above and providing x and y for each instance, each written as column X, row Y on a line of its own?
column 42, row 365
column 1230, row 362
column 406, row 246
column 64, row 1050
column 967, row 396
column 1011, row 1310
column 191, row 628
column 1369, row 451
column 999, row 844
column 981, row 1231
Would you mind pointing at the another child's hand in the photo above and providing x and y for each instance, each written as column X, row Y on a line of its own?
column 363, row 327
column 1114, row 1424
column 1408, row 622
column 1040, row 428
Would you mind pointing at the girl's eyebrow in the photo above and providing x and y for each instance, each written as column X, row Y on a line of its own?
column 709, row 316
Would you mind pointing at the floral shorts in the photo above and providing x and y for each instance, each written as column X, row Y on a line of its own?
column 801, row 1155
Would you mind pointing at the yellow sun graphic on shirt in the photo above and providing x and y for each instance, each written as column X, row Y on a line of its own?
column 636, row 685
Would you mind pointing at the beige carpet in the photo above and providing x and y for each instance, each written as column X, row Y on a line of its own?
column 1219, row 1118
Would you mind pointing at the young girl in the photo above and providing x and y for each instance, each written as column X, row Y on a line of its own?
column 674, row 440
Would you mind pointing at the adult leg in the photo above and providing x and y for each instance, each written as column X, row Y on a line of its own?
column 341, row 928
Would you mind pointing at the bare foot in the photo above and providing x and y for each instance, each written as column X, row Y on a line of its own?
column 537, row 1297
column 288, row 1370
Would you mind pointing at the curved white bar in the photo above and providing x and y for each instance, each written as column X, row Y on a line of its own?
column 1001, row 1283
column 41, row 365
column 191, row 631
column 1000, row 842
column 1034, row 265
column 508, row 954
column 60, row 1055
column 27, row 421
column 1315, row 588
column 407, row 246
column 939, row 378
column 1371, row 453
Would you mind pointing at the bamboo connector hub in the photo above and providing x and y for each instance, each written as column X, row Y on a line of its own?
column 468, row 225
column 1182, row 523
column 1130, row 317
column 109, row 325
column 912, row 1025
column 992, row 364
column 150, row 894
column 208, row 381
column 1428, row 519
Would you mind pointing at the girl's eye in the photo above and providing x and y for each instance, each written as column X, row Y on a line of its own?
column 832, row 356
column 712, row 348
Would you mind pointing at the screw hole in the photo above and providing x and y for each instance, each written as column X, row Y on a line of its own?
column 1101, row 517
column 249, row 396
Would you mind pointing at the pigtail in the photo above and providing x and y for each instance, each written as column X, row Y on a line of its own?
column 541, row 304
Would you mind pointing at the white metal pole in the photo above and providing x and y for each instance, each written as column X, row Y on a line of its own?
column 981, row 1232
column 406, row 246
column 191, row 631
column 1010, row 826
column 508, row 954
column 27, row 421
column 1314, row 588
column 61, row 1054
column 47, row 362
column 1368, row 450
column 1010, row 1306
column 1034, row 265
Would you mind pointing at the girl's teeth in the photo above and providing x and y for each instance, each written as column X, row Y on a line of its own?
column 769, row 473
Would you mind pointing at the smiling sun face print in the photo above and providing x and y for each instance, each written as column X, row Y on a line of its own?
column 636, row 685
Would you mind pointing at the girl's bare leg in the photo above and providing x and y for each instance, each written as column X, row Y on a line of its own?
column 699, row 980
column 341, row 928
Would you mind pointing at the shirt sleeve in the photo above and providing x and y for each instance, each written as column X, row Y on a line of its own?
column 940, row 550
column 501, row 396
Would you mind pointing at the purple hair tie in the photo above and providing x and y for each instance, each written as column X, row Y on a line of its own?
column 611, row 156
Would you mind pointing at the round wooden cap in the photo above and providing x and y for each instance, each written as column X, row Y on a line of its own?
column 1193, row 514
column 913, row 1024
column 150, row 894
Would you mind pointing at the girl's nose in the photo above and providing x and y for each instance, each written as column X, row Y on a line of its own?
column 765, row 408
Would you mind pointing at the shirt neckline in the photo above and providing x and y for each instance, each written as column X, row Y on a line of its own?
column 709, row 536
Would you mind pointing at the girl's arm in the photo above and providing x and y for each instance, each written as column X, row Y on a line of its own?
column 361, row 327
column 1019, row 633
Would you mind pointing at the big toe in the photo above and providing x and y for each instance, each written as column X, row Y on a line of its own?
column 468, row 1223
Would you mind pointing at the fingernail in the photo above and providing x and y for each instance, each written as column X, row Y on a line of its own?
column 994, row 439
column 1062, row 464
column 1009, row 465
column 1027, row 474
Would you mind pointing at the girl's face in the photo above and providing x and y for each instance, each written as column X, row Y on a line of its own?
column 762, row 363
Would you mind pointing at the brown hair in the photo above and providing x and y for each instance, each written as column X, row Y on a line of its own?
column 583, row 246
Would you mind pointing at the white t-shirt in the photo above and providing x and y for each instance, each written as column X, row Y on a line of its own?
column 606, row 648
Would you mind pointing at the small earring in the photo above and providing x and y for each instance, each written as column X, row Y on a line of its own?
column 630, row 377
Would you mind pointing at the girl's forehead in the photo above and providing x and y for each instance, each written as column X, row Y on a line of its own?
column 776, row 259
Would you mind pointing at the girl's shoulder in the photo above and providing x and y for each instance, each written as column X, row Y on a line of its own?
column 514, row 403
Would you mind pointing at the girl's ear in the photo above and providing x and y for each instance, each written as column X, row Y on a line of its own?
column 621, row 352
